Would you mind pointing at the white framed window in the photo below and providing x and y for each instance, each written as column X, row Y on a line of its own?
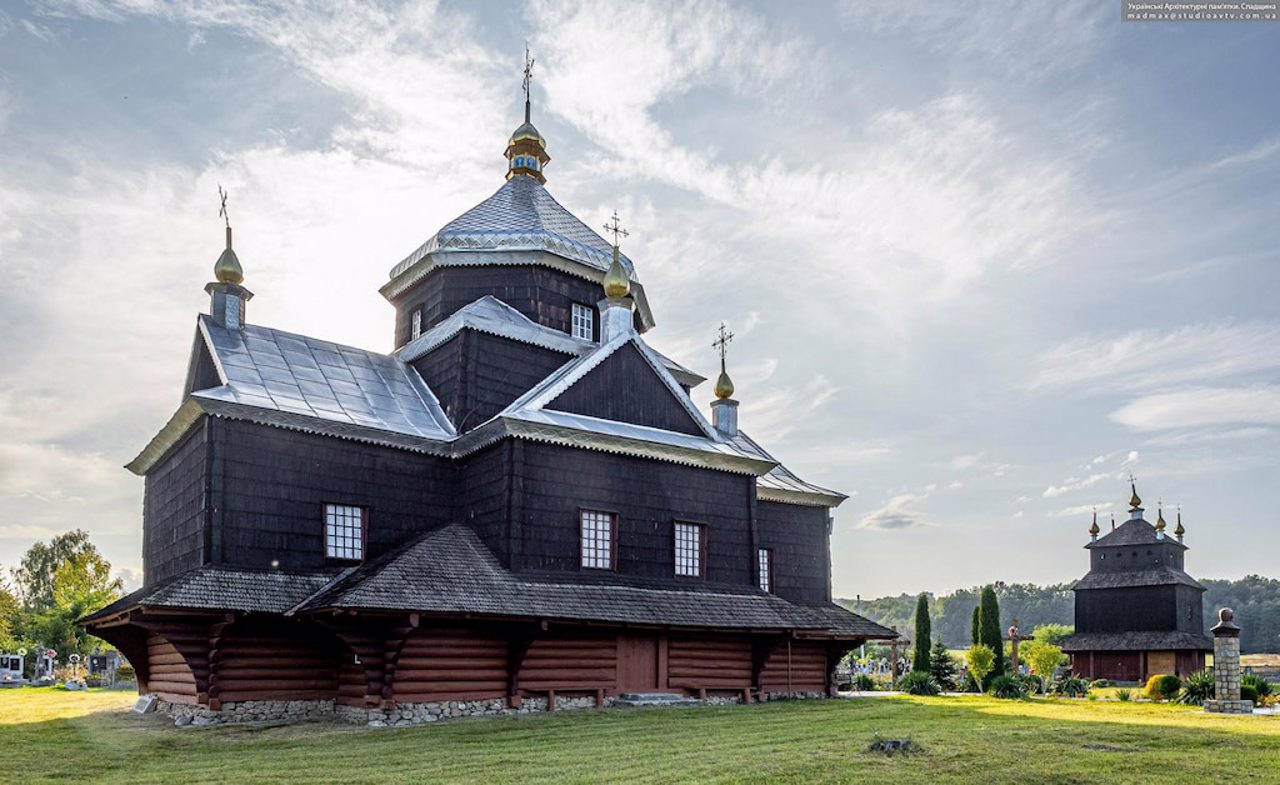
column 764, row 565
column 691, row 541
column 599, row 539
column 344, row 532
column 415, row 322
column 584, row 322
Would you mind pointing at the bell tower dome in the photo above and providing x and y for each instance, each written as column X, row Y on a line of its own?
column 527, row 149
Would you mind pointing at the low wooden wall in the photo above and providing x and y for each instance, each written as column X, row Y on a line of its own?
column 796, row 667
column 169, row 676
column 709, row 663
column 571, row 662
column 451, row 663
column 276, row 660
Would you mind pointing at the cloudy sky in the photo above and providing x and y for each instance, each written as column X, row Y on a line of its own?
column 983, row 259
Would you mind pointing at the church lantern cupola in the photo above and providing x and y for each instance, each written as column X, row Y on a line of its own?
column 527, row 149
column 227, row 298
column 617, row 308
column 724, row 409
column 1094, row 530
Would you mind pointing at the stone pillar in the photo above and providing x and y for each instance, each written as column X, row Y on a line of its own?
column 1226, row 667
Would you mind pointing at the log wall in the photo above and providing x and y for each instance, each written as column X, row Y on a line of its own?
column 807, row 664
column 709, row 663
column 276, row 660
column 169, row 677
column 571, row 662
column 438, row 664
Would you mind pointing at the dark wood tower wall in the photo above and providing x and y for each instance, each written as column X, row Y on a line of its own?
column 175, row 509
column 624, row 388
column 545, row 295
column 801, row 550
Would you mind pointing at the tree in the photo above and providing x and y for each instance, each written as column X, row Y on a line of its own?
column 981, row 659
column 1044, row 659
column 34, row 574
column 920, row 657
column 942, row 667
column 989, row 628
column 975, row 627
column 78, row 586
column 1052, row 633
column 9, row 619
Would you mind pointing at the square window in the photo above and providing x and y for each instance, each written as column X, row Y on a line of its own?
column 764, row 564
column 415, row 320
column 690, row 544
column 598, row 539
column 584, row 322
column 344, row 532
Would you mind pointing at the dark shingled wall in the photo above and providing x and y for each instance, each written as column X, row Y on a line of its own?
column 173, row 510
column 476, row 375
column 625, row 388
column 801, row 550
column 1125, row 558
column 648, row 497
column 544, row 295
column 1122, row 610
column 484, row 480
column 274, row 483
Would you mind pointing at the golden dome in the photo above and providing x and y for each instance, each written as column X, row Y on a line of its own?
column 1094, row 528
column 1179, row 530
column 227, row 269
column 616, row 281
column 1134, row 501
column 724, row 386
column 1160, row 524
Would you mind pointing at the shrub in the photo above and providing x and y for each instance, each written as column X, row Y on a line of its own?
column 920, row 654
column 1100, row 683
column 864, row 683
column 1163, row 687
column 919, row 683
column 1071, row 686
column 981, row 659
column 1043, row 658
column 1124, row 694
column 1261, row 686
column 1248, row 693
column 1008, row 686
column 1197, row 688
column 942, row 666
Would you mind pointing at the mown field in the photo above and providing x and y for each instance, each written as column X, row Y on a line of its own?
column 49, row 735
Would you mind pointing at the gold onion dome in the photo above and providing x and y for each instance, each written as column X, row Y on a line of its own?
column 1094, row 528
column 1160, row 524
column 616, row 281
column 724, row 386
column 1179, row 530
column 1134, row 501
column 227, row 269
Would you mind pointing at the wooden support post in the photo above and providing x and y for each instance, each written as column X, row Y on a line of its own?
column 551, row 700
column 702, row 694
column 599, row 698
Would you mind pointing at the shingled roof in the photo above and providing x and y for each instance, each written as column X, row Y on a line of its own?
column 1134, row 531
column 450, row 571
column 1136, row 641
column 1158, row 576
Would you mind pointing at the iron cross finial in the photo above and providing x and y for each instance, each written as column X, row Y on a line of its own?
column 222, row 209
column 723, row 339
column 528, row 70
column 615, row 228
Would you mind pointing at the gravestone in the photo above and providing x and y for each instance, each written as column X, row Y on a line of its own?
column 145, row 704
column 1226, row 667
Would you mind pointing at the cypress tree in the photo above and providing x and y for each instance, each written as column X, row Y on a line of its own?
column 989, row 628
column 975, row 628
column 924, row 634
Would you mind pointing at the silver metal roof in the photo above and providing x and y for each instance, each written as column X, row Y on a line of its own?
column 520, row 216
column 274, row 370
column 491, row 315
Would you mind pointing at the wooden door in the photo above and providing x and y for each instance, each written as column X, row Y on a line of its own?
column 637, row 663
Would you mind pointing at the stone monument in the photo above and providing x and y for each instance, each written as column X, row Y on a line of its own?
column 1226, row 667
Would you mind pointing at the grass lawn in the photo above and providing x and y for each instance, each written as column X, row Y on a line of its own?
column 48, row 735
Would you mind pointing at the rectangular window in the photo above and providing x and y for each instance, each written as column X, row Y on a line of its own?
column 584, row 322
column 344, row 532
column 691, row 541
column 764, row 563
column 598, row 539
column 415, row 320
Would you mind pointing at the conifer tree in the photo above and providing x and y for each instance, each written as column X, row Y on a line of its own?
column 975, row 628
column 924, row 635
column 989, row 629
column 942, row 667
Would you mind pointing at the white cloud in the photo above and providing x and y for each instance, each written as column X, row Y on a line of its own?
column 898, row 513
column 967, row 461
column 1075, row 484
column 1200, row 407
column 1151, row 358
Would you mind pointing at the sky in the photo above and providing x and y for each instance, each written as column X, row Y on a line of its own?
column 983, row 259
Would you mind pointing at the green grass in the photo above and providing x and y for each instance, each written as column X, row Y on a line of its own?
column 54, row 736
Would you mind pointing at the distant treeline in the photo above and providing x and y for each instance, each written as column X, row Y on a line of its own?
column 1256, row 601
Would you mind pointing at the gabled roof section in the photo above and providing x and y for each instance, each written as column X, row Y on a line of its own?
column 1134, row 531
column 1156, row 576
column 781, row 484
column 491, row 315
column 1155, row 640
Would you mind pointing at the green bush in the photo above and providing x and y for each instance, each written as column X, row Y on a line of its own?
column 1248, row 693
column 864, row 683
column 1071, row 686
column 1008, row 686
column 1163, row 687
column 1261, row 686
column 919, row 683
column 1124, row 694
column 1197, row 688
column 1098, row 684
column 125, row 673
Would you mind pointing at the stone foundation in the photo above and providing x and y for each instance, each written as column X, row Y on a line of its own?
column 1228, row 707
column 248, row 711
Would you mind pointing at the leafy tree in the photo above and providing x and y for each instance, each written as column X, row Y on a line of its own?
column 1044, row 658
column 1052, row 633
column 78, row 586
column 10, row 622
column 989, row 628
column 975, row 627
column 34, row 574
column 980, row 659
column 942, row 667
column 920, row 657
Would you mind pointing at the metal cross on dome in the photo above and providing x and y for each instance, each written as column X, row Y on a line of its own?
column 614, row 228
column 528, row 71
column 723, row 339
column 222, row 210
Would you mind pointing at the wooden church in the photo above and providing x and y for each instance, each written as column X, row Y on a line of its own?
column 1138, row 613
column 520, row 506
